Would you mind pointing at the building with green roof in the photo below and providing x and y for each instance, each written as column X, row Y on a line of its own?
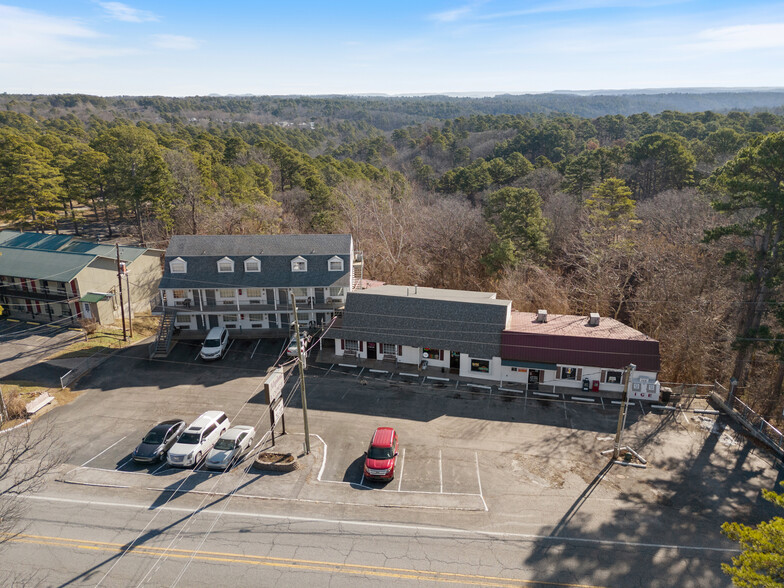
column 60, row 278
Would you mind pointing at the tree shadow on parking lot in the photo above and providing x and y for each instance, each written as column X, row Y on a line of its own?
column 667, row 533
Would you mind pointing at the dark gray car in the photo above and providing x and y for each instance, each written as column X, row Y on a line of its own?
column 158, row 441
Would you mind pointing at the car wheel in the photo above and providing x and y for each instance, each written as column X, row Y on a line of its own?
column 198, row 459
column 162, row 456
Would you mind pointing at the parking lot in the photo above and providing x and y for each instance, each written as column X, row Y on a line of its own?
column 24, row 344
column 461, row 447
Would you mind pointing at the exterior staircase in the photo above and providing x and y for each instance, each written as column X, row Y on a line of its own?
column 163, row 342
column 358, row 267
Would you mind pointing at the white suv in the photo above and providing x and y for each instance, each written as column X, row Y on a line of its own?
column 198, row 439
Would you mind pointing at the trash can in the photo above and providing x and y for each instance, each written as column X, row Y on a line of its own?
column 595, row 386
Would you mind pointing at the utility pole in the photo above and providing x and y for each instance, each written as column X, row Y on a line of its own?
column 119, row 283
column 128, row 290
column 301, row 375
column 622, row 414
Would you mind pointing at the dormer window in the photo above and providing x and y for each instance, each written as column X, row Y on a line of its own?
column 178, row 266
column 252, row 265
column 299, row 264
column 225, row 266
column 335, row 264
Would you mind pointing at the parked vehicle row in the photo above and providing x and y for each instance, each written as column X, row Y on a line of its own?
column 208, row 436
column 216, row 343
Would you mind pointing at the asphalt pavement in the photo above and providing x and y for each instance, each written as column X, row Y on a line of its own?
column 491, row 489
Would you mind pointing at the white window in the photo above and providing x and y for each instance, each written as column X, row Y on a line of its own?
column 335, row 264
column 178, row 266
column 300, row 292
column 351, row 345
column 183, row 319
column 388, row 349
column 569, row 373
column 335, row 291
column 256, row 318
column 253, row 292
column 178, row 293
column 299, row 264
column 612, row 376
column 252, row 265
column 229, row 321
column 226, row 293
column 225, row 266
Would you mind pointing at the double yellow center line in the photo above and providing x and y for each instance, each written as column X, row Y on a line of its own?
column 290, row 563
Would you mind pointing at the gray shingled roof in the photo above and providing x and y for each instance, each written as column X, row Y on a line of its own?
column 258, row 245
column 274, row 253
column 470, row 324
column 275, row 273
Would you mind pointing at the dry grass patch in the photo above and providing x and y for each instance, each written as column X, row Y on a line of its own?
column 108, row 338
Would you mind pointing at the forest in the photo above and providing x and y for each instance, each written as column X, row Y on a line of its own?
column 670, row 221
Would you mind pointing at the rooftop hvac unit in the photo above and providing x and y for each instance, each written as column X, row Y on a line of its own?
column 541, row 316
column 593, row 319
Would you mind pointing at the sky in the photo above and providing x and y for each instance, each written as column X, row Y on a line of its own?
column 195, row 47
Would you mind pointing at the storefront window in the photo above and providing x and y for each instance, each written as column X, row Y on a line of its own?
column 568, row 373
column 388, row 349
column 351, row 345
column 429, row 353
column 480, row 365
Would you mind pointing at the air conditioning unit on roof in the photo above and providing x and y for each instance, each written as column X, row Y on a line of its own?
column 541, row 316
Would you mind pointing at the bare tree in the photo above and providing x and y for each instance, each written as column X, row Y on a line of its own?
column 27, row 454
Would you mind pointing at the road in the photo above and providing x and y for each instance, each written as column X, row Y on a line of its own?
column 99, row 538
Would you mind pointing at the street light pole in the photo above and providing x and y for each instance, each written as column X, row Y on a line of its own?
column 622, row 414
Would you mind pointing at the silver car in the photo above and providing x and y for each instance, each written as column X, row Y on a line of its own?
column 231, row 447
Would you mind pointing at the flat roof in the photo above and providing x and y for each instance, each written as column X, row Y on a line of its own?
column 433, row 294
column 574, row 326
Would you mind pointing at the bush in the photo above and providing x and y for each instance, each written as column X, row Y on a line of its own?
column 15, row 405
column 89, row 326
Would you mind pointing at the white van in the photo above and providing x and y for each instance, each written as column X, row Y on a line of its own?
column 215, row 343
column 198, row 439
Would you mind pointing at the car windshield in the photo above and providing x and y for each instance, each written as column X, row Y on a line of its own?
column 153, row 438
column 381, row 453
column 212, row 343
column 224, row 444
column 189, row 438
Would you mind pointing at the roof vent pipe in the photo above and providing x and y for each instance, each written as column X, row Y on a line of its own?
column 541, row 316
column 593, row 319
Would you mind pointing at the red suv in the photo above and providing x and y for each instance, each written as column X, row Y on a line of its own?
column 381, row 455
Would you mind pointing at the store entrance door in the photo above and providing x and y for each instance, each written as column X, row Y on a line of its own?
column 533, row 379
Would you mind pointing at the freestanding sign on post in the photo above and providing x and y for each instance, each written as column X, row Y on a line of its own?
column 273, row 389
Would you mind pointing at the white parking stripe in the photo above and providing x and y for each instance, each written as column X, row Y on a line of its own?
column 125, row 463
column 102, row 452
column 440, row 472
column 479, row 480
column 254, row 348
column 402, row 463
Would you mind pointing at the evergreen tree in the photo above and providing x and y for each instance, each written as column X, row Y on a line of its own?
column 761, row 564
column 515, row 217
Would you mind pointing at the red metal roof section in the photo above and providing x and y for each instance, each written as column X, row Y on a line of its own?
column 569, row 340
column 383, row 437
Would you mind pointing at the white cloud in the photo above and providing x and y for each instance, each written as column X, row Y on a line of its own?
column 125, row 13
column 741, row 37
column 177, row 42
column 28, row 36
column 452, row 15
